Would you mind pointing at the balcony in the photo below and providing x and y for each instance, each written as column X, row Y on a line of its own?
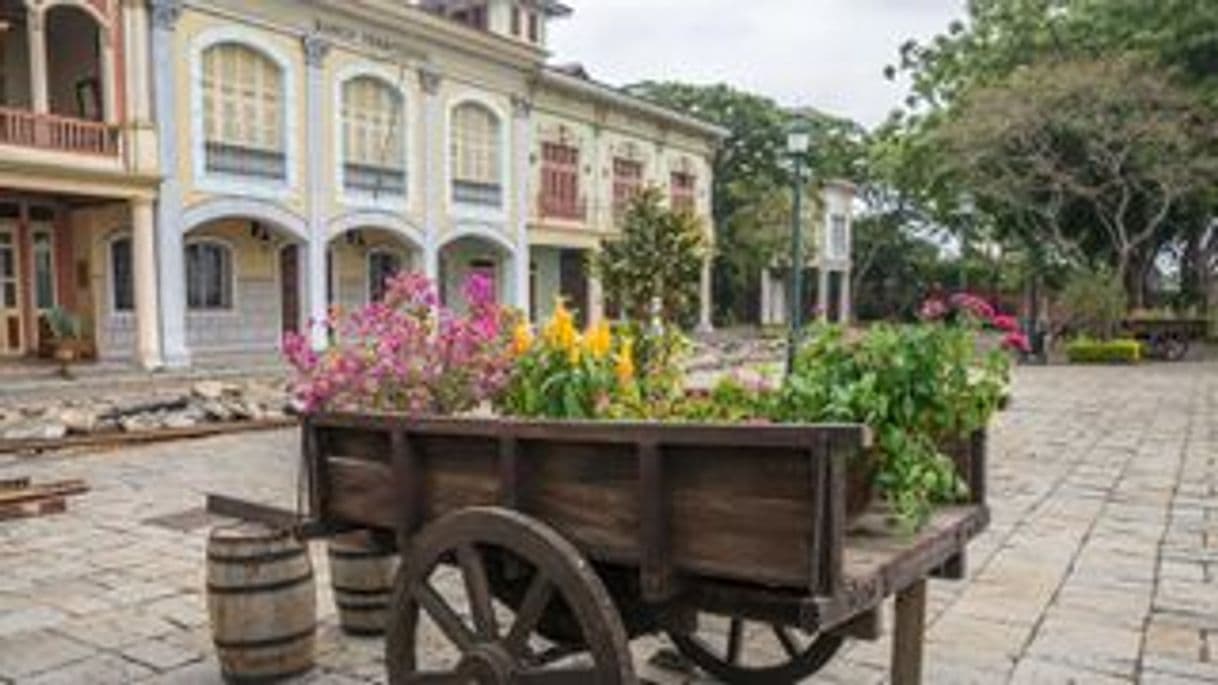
column 562, row 208
column 59, row 133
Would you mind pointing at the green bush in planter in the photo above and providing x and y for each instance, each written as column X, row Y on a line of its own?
column 1120, row 351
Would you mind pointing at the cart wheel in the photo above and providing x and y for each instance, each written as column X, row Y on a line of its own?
column 489, row 652
column 803, row 655
column 1175, row 348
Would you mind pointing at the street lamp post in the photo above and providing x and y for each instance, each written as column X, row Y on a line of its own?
column 798, row 142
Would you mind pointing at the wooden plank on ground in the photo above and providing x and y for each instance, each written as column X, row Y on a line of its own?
column 123, row 439
column 20, row 499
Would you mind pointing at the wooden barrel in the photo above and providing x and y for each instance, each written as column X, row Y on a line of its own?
column 262, row 602
column 362, row 576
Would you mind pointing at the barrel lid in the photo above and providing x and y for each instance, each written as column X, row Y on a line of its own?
column 248, row 531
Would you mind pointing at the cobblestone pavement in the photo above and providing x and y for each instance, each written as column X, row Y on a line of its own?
column 1101, row 565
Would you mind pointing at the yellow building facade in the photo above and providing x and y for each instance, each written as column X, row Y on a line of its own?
column 274, row 158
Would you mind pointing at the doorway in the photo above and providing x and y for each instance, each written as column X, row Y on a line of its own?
column 573, row 283
column 289, row 288
column 10, row 292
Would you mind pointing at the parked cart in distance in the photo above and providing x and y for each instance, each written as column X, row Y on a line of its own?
column 1168, row 339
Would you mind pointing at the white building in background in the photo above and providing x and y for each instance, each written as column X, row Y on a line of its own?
column 829, row 265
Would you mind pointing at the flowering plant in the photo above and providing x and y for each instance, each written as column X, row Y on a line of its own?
column 408, row 353
column 565, row 373
column 972, row 310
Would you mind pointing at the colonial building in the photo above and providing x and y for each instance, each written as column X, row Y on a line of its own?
column 829, row 264
column 197, row 178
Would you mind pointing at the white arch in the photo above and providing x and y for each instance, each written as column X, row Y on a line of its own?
column 245, row 208
column 481, row 233
column 102, row 20
column 387, row 221
column 396, row 83
column 258, row 42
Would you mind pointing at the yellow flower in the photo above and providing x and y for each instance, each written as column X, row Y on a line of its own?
column 625, row 362
column 599, row 340
column 522, row 338
column 560, row 331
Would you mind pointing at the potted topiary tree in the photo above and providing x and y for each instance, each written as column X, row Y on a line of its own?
column 68, row 342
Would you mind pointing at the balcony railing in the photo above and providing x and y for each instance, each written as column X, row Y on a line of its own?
column 54, row 132
column 565, row 208
column 477, row 194
column 365, row 179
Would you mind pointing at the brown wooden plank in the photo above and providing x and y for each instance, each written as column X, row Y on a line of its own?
column 276, row 517
column 408, row 485
column 511, row 479
column 655, row 561
column 123, row 439
column 40, row 491
column 909, row 633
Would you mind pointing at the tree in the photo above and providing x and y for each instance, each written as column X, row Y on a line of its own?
column 1072, row 147
column 658, row 255
column 752, row 184
column 1000, row 37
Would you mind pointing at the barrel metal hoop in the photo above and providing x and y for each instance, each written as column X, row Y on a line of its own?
column 269, row 642
column 363, row 592
column 376, row 606
column 359, row 553
column 264, row 587
column 264, row 558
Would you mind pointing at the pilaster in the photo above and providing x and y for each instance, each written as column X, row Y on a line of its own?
column 433, row 175
column 522, row 145
column 143, row 252
column 37, row 41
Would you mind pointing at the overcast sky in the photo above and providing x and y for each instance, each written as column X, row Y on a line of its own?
column 829, row 54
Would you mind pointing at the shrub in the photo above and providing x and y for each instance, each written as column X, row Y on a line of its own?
column 1120, row 351
column 1096, row 302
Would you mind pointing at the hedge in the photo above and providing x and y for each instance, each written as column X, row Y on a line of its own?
column 1123, row 351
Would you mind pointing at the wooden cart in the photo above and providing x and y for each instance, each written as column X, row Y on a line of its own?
column 594, row 533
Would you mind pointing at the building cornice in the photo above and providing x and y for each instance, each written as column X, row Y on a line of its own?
column 553, row 78
column 415, row 23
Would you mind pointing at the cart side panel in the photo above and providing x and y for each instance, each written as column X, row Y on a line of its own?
column 735, row 512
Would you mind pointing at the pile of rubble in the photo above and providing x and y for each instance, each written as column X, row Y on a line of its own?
column 205, row 402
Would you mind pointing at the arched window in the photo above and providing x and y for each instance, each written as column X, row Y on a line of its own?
column 209, row 276
column 374, row 134
column 243, row 113
column 382, row 265
column 475, row 152
column 122, row 279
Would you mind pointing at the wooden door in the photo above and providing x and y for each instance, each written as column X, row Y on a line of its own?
column 10, row 292
column 289, row 288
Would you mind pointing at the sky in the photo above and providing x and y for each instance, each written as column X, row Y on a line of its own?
column 828, row 54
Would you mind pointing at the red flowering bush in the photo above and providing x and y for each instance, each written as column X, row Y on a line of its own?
column 967, row 308
column 408, row 353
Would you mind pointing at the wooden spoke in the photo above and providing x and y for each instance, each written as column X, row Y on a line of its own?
column 436, row 679
column 478, row 589
column 735, row 640
column 803, row 655
column 448, row 621
column 563, row 601
column 559, row 676
column 536, row 598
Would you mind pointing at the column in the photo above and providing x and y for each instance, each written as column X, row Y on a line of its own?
column 36, row 36
column 522, row 142
column 170, row 257
column 143, row 257
column 822, row 293
column 704, row 301
column 140, row 144
column 109, row 84
column 765, row 318
column 433, row 176
column 315, row 51
column 845, row 303
column 596, row 297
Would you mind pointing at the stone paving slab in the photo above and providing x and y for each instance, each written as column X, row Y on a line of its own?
column 1101, row 565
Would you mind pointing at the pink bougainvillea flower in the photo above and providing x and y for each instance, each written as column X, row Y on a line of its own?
column 1017, row 342
column 1005, row 323
column 933, row 310
column 974, row 305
